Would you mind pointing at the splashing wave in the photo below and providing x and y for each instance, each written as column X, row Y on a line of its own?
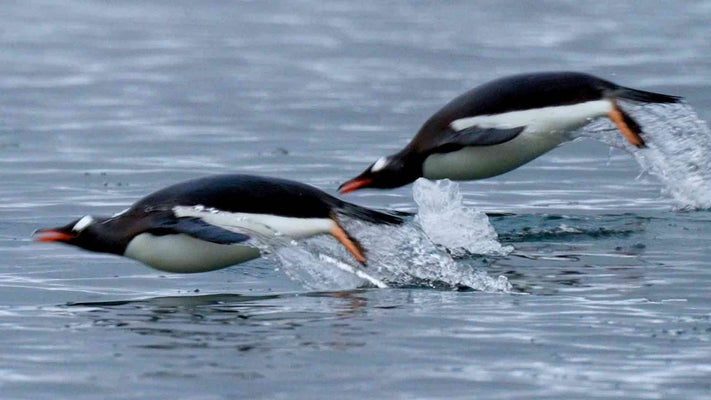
column 419, row 253
column 448, row 222
column 677, row 152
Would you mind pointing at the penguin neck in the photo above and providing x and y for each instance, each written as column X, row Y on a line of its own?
column 106, row 235
column 412, row 165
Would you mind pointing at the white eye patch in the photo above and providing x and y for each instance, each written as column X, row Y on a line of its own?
column 380, row 164
column 83, row 223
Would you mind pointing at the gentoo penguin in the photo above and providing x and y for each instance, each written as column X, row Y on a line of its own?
column 504, row 124
column 204, row 224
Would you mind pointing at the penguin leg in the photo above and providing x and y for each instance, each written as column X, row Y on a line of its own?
column 628, row 126
column 346, row 240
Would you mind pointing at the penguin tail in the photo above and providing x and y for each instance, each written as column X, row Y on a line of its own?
column 644, row 96
column 373, row 216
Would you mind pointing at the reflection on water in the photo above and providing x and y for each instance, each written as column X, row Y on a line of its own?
column 224, row 320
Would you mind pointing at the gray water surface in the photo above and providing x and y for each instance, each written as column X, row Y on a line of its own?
column 102, row 102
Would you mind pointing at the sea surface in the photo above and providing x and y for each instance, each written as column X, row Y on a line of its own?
column 585, row 274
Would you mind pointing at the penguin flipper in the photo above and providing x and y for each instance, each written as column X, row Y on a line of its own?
column 199, row 229
column 453, row 140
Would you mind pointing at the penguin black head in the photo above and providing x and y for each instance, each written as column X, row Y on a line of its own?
column 86, row 232
column 387, row 172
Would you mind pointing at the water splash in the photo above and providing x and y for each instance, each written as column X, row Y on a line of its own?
column 448, row 222
column 397, row 256
column 678, row 149
column 415, row 253
column 300, row 261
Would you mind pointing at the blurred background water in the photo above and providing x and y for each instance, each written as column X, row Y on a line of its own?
column 102, row 102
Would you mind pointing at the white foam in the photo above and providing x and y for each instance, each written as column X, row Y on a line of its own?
column 397, row 256
column 405, row 255
column 678, row 149
column 418, row 252
column 353, row 270
column 448, row 222
column 302, row 265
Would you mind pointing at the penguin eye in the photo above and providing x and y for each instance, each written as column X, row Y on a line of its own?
column 83, row 223
column 379, row 165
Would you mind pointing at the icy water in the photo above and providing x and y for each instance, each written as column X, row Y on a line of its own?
column 598, row 285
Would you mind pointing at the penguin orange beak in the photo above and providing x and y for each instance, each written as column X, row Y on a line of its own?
column 51, row 235
column 354, row 184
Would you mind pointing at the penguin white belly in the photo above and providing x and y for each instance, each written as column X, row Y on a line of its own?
column 545, row 129
column 184, row 254
column 479, row 162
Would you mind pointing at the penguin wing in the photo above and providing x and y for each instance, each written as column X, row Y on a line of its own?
column 199, row 229
column 454, row 139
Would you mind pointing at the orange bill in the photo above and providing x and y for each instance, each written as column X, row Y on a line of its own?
column 354, row 184
column 50, row 235
column 348, row 242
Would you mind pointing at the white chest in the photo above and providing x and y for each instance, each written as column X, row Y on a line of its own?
column 184, row 254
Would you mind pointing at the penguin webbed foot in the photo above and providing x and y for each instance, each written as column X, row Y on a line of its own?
column 350, row 243
column 627, row 125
